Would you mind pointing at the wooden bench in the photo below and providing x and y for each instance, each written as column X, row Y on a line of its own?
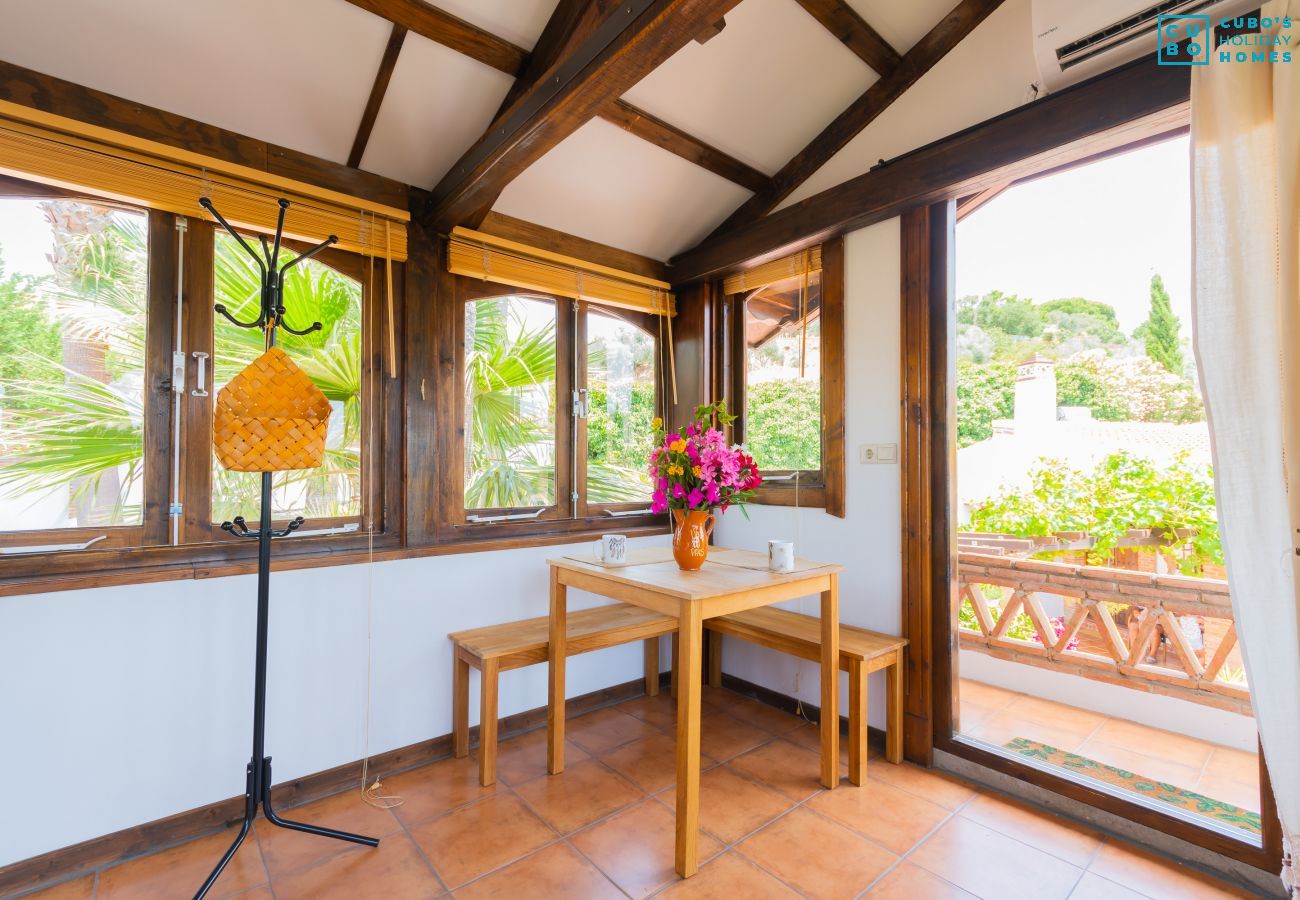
column 513, row 645
column 861, row 653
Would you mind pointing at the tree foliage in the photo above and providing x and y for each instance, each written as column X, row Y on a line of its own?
column 1122, row 492
column 25, row 328
column 985, row 391
column 1160, row 331
column 783, row 424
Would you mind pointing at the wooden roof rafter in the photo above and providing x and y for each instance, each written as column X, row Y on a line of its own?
column 387, row 63
column 851, row 30
column 450, row 31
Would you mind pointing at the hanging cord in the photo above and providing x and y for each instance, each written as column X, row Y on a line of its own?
column 372, row 794
column 798, row 511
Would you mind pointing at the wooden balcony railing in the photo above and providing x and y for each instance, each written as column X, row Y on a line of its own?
column 1135, row 629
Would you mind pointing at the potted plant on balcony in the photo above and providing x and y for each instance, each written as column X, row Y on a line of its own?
column 696, row 473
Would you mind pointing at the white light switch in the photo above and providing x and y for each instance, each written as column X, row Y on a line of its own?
column 878, row 453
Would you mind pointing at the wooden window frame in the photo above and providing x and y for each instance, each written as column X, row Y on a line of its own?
column 929, row 503
column 571, row 357
column 824, row 487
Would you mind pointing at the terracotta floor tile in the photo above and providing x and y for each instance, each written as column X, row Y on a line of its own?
column 1166, row 745
column 732, row 806
column 473, row 840
column 1229, row 791
column 523, row 758
column 601, row 731
column 1001, row 727
column 989, row 864
column 1139, row 764
column 768, row 718
column 1056, row 715
column 636, row 847
column 816, row 856
column 394, row 870
column 929, row 784
column 728, row 877
column 660, row 711
column 1063, row 839
column 909, row 882
column 578, row 796
column 650, row 763
column 433, row 789
column 891, row 817
column 261, row 892
column 1235, row 764
column 971, row 714
column 180, row 871
column 1093, row 887
column 557, row 871
column 1156, row 877
column 77, row 889
column 809, row 735
column 287, row 851
column 723, row 736
column 787, row 768
column 986, row 694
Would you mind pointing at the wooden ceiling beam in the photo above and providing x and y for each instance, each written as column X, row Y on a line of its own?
column 960, row 22
column 629, row 43
column 711, row 31
column 570, row 23
column 450, row 31
column 851, row 30
column 36, row 90
column 1134, row 103
column 385, row 74
column 674, row 140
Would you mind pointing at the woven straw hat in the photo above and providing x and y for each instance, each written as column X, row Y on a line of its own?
column 270, row 418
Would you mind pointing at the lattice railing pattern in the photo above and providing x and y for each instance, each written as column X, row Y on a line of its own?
column 1152, row 601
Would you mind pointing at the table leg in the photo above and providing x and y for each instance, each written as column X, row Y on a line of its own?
column 830, row 712
column 690, row 628
column 557, row 650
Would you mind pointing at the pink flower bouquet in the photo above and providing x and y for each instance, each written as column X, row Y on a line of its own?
column 694, row 469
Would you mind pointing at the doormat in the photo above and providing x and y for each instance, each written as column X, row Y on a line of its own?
column 1140, row 784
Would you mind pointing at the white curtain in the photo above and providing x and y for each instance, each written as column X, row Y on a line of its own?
column 1246, row 322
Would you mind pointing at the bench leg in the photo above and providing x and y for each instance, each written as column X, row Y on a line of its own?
column 672, row 675
column 857, row 723
column 894, row 710
column 557, row 654
column 487, row 724
column 652, row 667
column 715, row 659
column 459, row 706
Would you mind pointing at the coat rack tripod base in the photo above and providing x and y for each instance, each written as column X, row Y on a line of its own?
column 257, row 783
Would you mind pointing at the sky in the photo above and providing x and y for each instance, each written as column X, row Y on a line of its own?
column 1098, row 231
column 24, row 238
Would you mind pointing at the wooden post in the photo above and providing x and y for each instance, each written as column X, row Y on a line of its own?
column 487, row 722
column 690, row 627
column 459, row 707
column 857, row 723
column 652, row 667
column 830, row 700
column 557, row 647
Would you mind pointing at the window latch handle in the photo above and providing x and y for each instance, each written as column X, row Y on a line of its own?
column 202, row 378
column 580, row 404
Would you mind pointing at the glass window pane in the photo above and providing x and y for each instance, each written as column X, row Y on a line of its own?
column 509, row 403
column 73, row 300
column 331, row 357
column 783, row 401
column 620, row 408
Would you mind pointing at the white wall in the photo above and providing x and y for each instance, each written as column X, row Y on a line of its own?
column 122, row 705
column 868, row 541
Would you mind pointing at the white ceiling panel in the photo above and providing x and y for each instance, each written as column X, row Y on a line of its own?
column 603, row 184
column 518, row 21
column 985, row 75
column 902, row 24
column 293, row 72
column 762, row 89
column 438, row 104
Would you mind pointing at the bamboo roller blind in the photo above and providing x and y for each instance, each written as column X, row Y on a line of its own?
column 491, row 258
column 173, row 181
column 805, row 262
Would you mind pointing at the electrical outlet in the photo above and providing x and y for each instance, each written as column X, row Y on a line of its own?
column 878, row 453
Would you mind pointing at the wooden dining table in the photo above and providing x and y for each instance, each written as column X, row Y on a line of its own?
column 730, row 581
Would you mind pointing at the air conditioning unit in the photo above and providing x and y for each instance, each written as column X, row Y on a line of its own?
column 1075, row 40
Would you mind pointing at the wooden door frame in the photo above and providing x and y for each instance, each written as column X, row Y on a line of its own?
column 928, row 456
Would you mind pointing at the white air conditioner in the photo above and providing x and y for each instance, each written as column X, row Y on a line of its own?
column 1074, row 40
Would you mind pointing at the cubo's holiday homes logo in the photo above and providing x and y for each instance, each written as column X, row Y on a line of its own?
column 1189, row 41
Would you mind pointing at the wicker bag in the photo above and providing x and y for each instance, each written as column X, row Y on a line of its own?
column 270, row 418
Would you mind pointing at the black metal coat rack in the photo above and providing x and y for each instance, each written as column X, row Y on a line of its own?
column 257, row 790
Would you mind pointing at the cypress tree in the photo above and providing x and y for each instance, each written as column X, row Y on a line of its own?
column 1160, row 331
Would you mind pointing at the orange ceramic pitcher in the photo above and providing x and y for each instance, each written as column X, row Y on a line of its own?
column 691, row 537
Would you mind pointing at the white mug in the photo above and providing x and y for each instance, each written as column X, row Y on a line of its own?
column 780, row 556
column 611, row 549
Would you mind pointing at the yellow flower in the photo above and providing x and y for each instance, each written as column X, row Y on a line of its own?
column 678, row 446
column 675, row 470
column 697, row 471
column 657, row 423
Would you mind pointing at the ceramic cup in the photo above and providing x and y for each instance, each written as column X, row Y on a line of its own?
column 611, row 549
column 780, row 556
